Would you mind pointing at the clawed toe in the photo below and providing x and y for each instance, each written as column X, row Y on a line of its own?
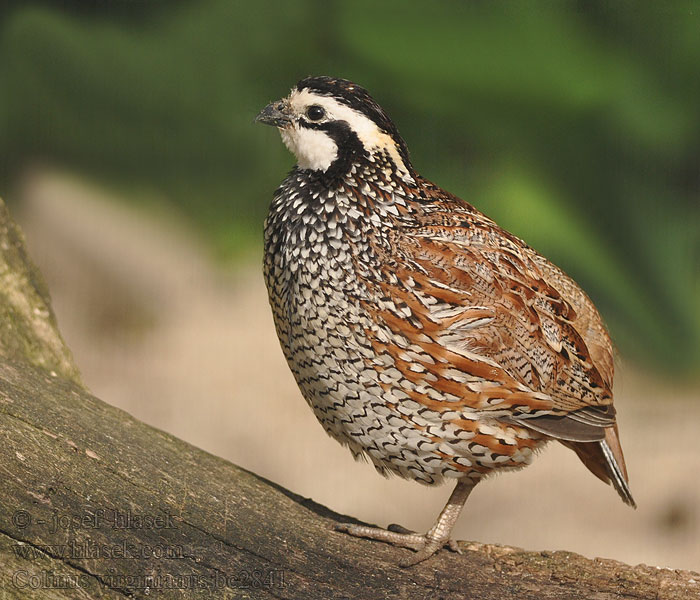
column 395, row 527
column 413, row 541
column 429, row 547
column 424, row 545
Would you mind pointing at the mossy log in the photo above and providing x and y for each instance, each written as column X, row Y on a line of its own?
column 95, row 504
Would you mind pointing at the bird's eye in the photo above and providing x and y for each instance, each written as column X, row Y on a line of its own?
column 315, row 112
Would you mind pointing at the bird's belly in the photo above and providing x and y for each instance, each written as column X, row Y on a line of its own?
column 358, row 394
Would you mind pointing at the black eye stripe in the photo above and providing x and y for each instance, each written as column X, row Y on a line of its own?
column 358, row 98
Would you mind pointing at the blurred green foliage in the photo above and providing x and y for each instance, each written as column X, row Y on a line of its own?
column 574, row 124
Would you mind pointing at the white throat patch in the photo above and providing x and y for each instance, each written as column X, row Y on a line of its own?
column 313, row 148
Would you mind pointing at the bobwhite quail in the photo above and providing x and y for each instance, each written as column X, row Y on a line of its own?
column 425, row 337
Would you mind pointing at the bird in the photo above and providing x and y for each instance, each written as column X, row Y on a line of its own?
column 426, row 338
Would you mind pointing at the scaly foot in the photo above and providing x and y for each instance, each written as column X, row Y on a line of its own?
column 424, row 545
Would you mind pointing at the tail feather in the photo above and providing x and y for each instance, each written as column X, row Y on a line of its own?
column 618, row 475
column 605, row 460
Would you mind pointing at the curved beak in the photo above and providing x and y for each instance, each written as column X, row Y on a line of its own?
column 275, row 113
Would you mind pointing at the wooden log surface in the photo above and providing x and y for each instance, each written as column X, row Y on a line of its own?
column 96, row 504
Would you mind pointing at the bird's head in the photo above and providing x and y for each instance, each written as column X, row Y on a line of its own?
column 330, row 123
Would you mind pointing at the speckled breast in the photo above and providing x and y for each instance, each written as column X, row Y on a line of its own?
column 319, row 264
column 315, row 297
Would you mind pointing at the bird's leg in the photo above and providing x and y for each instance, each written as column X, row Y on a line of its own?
column 425, row 545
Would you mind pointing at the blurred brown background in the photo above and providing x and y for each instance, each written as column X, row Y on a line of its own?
column 128, row 154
